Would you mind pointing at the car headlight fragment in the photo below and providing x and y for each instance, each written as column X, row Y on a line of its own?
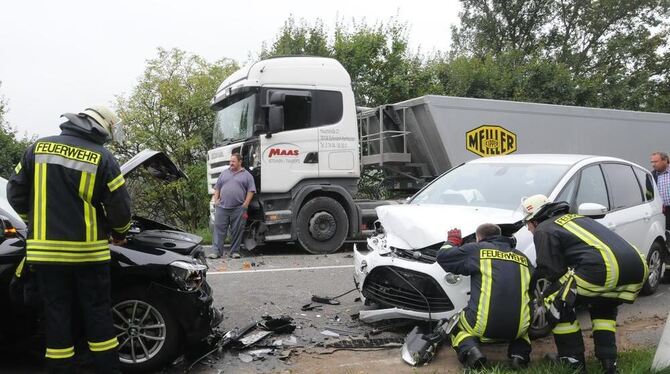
column 187, row 276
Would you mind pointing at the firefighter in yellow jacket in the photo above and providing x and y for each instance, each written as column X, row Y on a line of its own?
column 71, row 191
column 498, row 309
column 587, row 264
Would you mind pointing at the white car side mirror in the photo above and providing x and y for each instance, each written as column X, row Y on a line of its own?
column 592, row 210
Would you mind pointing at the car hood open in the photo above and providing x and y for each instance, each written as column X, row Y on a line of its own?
column 157, row 163
column 417, row 226
column 160, row 166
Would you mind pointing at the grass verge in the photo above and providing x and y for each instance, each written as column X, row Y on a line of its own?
column 631, row 362
column 206, row 235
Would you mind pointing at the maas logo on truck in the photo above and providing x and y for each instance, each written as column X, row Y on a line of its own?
column 490, row 140
column 283, row 152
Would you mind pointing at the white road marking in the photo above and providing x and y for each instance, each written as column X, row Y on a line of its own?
column 281, row 269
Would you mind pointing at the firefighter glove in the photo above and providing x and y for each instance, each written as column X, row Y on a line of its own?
column 454, row 237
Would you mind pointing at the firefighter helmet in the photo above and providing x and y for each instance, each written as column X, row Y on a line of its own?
column 107, row 120
column 533, row 205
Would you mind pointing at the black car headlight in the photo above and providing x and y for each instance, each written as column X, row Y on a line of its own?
column 187, row 276
column 198, row 255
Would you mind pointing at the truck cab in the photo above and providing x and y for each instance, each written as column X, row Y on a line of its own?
column 293, row 121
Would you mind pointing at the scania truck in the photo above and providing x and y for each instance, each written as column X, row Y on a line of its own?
column 293, row 121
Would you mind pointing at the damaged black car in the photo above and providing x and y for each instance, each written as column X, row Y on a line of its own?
column 161, row 301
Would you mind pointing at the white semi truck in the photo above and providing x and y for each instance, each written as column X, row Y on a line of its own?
column 293, row 120
column 295, row 124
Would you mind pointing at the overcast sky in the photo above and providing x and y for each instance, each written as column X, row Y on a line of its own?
column 62, row 56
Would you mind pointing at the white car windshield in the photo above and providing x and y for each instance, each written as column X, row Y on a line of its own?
column 494, row 185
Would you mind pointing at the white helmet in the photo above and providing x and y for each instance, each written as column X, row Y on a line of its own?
column 108, row 120
column 532, row 205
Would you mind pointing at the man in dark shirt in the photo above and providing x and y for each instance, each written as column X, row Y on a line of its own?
column 233, row 192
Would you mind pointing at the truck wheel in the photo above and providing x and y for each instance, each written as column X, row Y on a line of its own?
column 147, row 331
column 322, row 225
column 655, row 262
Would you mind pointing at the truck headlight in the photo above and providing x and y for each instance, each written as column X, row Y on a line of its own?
column 187, row 276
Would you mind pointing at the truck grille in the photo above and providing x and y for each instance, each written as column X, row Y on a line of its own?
column 218, row 164
column 387, row 288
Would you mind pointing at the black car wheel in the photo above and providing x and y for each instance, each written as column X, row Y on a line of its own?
column 147, row 331
column 655, row 262
column 539, row 327
column 322, row 225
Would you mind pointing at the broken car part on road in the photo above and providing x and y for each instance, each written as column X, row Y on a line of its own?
column 324, row 300
column 420, row 347
column 249, row 336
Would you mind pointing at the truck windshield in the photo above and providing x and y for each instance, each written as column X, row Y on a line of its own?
column 492, row 185
column 235, row 121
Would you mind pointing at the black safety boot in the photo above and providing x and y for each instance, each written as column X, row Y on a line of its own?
column 577, row 365
column 475, row 359
column 609, row 366
column 518, row 362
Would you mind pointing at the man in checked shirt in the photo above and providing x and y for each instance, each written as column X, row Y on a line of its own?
column 661, row 173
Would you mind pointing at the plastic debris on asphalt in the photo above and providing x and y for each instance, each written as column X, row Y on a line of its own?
column 280, row 325
column 254, row 338
column 245, row 357
column 330, row 333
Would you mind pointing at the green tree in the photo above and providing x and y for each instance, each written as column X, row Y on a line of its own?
column 299, row 40
column 168, row 110
column 507, row 76
column 382, row 67
column 615, row 50
column 489, row 27
column 12, row 147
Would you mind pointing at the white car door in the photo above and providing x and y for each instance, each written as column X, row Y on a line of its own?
column 592, row 188
column 630, row 215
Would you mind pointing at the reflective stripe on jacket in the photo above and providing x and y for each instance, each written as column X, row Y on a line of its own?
column 605, row 264
column 73, row 195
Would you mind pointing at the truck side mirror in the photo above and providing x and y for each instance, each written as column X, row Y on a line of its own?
column 259, row 128
column 277, row 98
column 275, row 119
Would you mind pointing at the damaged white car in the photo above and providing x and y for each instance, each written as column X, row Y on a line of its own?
column 398, row 277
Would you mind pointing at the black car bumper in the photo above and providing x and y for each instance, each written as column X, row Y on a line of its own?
column 194, row 310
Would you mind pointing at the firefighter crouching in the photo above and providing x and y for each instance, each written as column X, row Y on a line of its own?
column 498, row 309
column 71, row 191
column 587, row 264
